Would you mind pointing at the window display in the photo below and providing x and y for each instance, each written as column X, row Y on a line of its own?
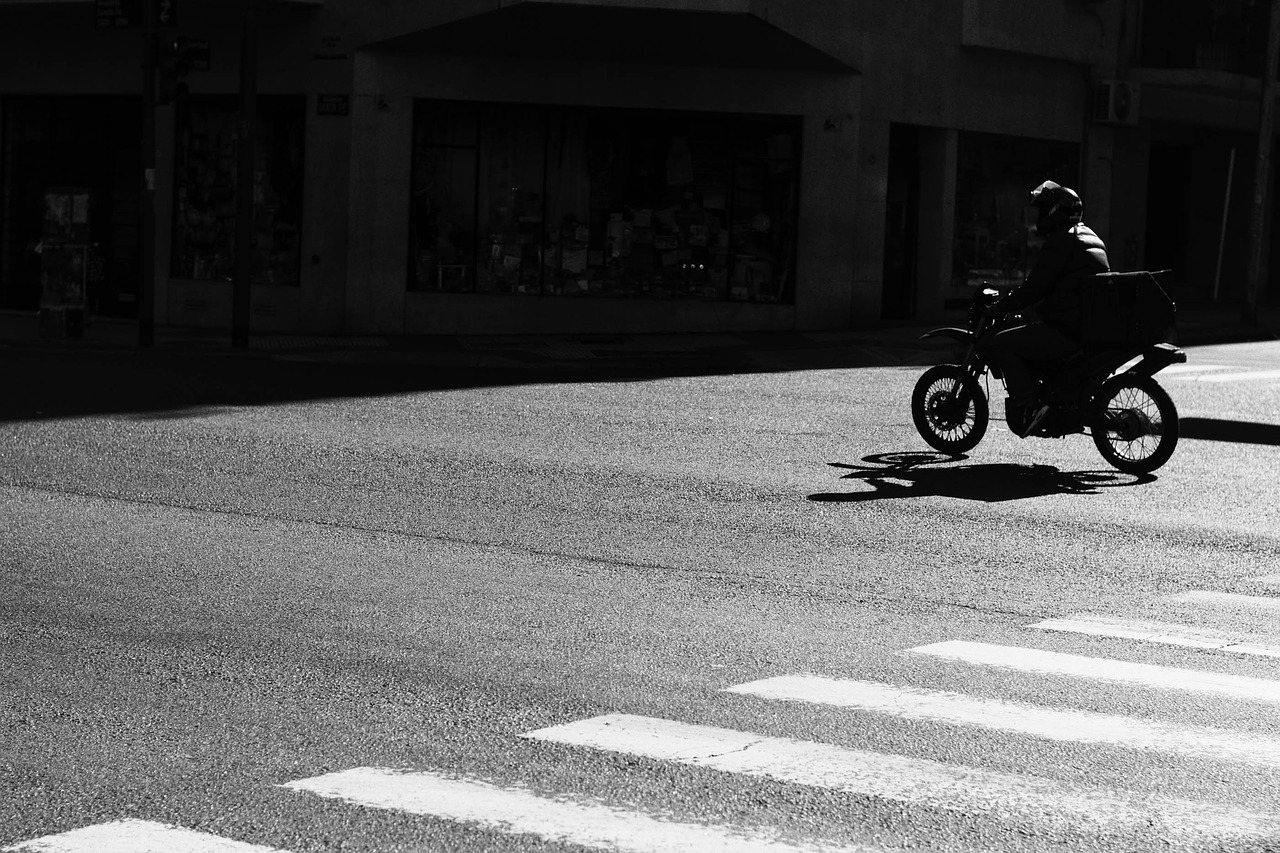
column 994, row 241
column 626, row 203
column 205, row 185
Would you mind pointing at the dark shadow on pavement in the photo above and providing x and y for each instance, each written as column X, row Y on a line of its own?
column 38, row 384
column 928, row 474
column 1215, row 429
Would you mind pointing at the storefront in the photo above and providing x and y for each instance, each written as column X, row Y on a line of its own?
column 508, row 176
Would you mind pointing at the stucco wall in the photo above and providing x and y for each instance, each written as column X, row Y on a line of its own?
column 1071, row 30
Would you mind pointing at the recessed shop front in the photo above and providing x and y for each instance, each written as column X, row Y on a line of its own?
column 527, row 193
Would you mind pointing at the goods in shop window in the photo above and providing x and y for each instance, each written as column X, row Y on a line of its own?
column 645, row 185
column 619, row 237
column 452, row 277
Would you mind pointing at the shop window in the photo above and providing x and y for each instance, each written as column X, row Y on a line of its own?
column 86, row 142
column 624, row 203
column 994, row 240
column 442, row 211
column 204, row 219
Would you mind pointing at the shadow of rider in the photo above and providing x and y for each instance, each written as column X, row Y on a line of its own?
column 917, row 474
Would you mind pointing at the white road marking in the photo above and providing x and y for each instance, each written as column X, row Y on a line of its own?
column 1175, row 369
column 1157, row 632
column 1244, row 376
column 1199, row 742
column 135, row 836
column 915, row 781
column 516, row 810
column 1269, row 580
column 1103, row 669
column 1229, row 600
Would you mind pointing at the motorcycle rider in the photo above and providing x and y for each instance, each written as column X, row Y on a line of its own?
column 1053, row 290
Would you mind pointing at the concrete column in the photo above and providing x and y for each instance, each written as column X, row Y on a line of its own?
column 381, row 128
column 872, row 202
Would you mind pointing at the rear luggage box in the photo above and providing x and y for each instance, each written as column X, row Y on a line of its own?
column 1127, row 309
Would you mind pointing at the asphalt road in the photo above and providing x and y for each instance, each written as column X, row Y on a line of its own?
column 226, row 578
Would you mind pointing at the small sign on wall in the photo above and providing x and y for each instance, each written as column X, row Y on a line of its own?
column 333, row 105
column 331, row 47
column 118, row 13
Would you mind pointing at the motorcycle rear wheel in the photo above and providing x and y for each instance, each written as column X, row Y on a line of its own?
column 949, row 409
column 1136, row 428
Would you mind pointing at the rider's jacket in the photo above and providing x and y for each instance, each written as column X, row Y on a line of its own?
column 1054, row 287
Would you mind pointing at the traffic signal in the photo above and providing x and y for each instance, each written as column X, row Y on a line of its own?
column 173, row 63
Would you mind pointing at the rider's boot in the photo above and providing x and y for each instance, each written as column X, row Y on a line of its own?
column 1036, row 416
column 1034, row 411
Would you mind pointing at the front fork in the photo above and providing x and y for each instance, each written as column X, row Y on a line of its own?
column 973, row 365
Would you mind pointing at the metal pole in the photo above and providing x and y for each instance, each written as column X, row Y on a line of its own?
column 147, row 237
column 1222, row 237
column 241, row 292
column 1262, row 171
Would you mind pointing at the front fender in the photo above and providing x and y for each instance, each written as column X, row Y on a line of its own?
column 964, row 336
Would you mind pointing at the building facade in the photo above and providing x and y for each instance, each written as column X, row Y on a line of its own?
column 605, row 166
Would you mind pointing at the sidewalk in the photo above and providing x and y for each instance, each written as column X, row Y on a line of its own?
column 887, row 344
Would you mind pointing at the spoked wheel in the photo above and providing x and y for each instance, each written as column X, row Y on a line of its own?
column 949, row 409
column 1137, row 424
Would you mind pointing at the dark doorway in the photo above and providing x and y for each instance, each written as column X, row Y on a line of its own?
column 902, row 224
column 91, row 143
column 1169, row 210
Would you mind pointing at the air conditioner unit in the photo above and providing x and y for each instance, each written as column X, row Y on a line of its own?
column 1116, row 102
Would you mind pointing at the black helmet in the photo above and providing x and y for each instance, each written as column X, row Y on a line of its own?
column 1059, row 207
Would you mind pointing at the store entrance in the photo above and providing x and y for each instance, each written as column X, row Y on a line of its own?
column 902, row 224
column 1168, row 210
column 88, row 143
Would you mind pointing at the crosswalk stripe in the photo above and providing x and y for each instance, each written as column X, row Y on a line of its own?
column 914, row 781
column 135, row 836
column 1156, row 632
column 1269, row 580
column 1103, row 669
column 516, row 810
column 1228, row 600
column 1076, row 726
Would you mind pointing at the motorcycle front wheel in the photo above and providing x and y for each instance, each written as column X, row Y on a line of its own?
column 949, row 409
column 1137, row 424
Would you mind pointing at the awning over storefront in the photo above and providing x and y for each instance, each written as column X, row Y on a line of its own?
column 534, row 29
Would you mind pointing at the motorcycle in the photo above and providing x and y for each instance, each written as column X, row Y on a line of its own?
column 1106, row 389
